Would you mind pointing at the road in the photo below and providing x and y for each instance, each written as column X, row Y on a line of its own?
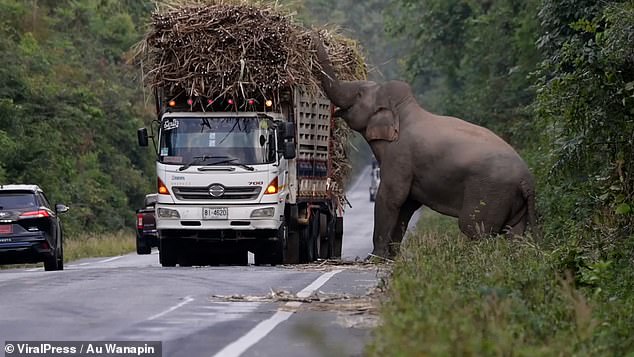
column 203, row 311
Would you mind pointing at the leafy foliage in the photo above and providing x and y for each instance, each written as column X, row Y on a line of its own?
column 471, row 59
column 69, row 107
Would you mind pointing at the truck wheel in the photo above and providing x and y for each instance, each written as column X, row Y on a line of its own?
column 307, row 242
column 292, row 248
column 274, row 251
column 168, row 252
column 338, row 238
column 324, row 242
column 238, row 257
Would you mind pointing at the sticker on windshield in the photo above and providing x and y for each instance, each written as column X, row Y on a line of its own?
column 164, row 151
column 173, row 159
column 170, row 124
column 264, row 124
column 212, row 139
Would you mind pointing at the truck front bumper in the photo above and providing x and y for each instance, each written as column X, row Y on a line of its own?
column 239, row 218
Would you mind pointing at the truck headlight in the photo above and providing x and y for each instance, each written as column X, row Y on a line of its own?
column 263, row 212
column 168, row 213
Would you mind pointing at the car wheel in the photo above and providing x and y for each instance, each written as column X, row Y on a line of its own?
column 142, row 247
column 60, row 259
column 51, row 262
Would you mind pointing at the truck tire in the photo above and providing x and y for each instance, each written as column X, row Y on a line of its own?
column 237, row 257
column 338, row 238
column 168, row 252
column 324, row 241
column 307, row 242
column 273, row 252
column 292, row 248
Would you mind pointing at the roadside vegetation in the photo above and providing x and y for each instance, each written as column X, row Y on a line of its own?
column 449, row 296
column 99, row 245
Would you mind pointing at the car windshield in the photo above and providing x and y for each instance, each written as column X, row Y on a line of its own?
column 229, row 140
column 17, row 201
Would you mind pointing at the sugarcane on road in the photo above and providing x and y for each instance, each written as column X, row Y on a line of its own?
column 202, row 311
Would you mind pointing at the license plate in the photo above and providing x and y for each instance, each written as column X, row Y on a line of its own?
column 6, row 228
column 215, row 213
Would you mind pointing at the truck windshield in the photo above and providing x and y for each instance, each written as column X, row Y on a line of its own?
column 245, row 140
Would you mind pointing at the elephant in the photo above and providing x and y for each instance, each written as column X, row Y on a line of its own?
column 447, row 164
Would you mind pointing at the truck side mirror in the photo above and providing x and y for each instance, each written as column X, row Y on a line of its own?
column 142, row 137
column 289, row 150
column 289, row 131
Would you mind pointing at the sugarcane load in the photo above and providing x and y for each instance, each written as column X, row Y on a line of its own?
column 249, row 156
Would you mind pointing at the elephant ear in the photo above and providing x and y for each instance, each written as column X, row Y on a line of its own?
column 383, row 125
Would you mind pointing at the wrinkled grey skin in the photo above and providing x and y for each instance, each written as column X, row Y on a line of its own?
column 449, row 165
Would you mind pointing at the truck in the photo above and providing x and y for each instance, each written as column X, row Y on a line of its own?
column 238, row 175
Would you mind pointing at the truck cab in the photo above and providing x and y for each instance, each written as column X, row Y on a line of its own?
column 228, row 182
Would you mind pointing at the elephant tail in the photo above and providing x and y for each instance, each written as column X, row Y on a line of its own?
column 528, row 191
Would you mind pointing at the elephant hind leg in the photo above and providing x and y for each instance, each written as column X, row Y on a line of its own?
column 484, row 212
column 517, row 229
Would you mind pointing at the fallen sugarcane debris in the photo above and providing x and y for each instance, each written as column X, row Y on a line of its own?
column 365, row 304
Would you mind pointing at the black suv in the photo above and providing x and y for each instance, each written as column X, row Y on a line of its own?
column 30, row 230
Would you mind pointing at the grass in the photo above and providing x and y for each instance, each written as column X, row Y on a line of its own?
column 92, row 245
column 99, row 245
column 449, row 296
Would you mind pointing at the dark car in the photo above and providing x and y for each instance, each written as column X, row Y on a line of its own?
column 30, row 230
column 146, row 233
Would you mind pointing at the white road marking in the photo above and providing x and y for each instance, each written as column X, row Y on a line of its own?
column 241, row 345
column 34, row 269
column 187, row 300
column 110, row 259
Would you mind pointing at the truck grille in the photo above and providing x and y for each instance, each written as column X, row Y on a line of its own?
column 230, row 193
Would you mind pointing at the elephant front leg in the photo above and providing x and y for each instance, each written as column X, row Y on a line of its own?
column 387, row 211
column 405, row 215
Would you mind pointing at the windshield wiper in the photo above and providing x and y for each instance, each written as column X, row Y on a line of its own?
column 232, row 162
column 199, row 160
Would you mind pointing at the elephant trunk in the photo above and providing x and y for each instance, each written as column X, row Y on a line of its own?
column 341, row 93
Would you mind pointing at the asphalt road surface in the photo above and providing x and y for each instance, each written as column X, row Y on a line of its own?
column 306, row 310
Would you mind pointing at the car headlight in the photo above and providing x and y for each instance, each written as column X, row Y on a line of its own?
column 168, row 213
column 263, row 212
